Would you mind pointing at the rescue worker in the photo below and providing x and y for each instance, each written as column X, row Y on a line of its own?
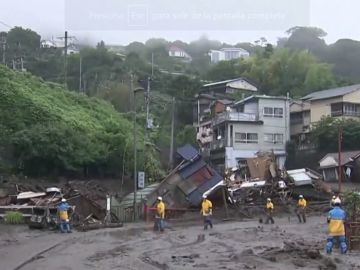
column 269, row 211
column 336, row 220
column 206, row 212
column 301, row 206
column 160, row 215
column 63, row 215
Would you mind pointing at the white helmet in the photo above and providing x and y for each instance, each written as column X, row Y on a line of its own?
column 301, row 196
column 268, row 199
column 63, row 200
column 337, row 201
column 159, row 198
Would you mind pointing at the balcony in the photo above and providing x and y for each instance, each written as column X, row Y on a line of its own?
column 235, row 117
column 218, row 144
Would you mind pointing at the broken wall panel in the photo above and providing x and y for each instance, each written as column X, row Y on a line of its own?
column 195, row 197
column 259, row 167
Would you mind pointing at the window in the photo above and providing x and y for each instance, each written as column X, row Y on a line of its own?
column 246, row 137
column 278, row 112
column 336, row 109
column 268, row 111
column 276, row 138
column 296, row 118
column 351, row 109
column 273, row 112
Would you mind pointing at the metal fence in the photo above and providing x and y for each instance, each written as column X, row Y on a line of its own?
column 353, row 234
column 126, row 213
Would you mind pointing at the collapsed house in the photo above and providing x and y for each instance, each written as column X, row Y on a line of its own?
column 31, row 200
column 182, row 188
column 185, row 185
column 260, row 177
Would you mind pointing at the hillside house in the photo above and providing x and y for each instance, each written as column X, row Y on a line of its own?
column 252, row 125
column 350, row 164
column 226, row 54
column 341, row 102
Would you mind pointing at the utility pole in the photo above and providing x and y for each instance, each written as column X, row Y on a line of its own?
column 3, row 43
column 152, row 65
column 65, row 59
column 339, row 156
column 147, row 101
column 135, row 147
column 171, row 157
column 80, row 73
column 66, row 38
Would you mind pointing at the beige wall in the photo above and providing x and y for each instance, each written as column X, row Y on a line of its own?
column 353, row 97
column 321, row 108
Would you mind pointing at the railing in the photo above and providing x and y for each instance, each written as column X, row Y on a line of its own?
column 235, row 116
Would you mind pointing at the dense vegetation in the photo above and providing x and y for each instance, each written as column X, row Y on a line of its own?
column 46, row 130
column 97, row 133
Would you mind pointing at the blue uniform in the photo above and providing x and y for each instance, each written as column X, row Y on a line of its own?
column 63, row 208
column 336, row 220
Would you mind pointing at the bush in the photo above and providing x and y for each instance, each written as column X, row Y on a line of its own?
column 51, row 131
column 352, row 205
column 14, row 217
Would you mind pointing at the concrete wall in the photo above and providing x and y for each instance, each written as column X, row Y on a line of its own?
column 271, row 125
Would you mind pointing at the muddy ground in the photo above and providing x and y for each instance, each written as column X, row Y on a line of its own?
column 229, row 245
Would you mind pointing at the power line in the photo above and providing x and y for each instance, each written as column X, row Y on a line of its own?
column 5, row 24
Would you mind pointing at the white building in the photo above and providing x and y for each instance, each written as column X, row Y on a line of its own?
column 226, row 54
column 59, row 44
column 179, row 53
column 254, row 124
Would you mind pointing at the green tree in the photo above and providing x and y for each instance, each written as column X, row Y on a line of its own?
column 307, row 38
column 325, row 134
column 318, row 77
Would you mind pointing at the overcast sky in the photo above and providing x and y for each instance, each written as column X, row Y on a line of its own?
column 230, row 21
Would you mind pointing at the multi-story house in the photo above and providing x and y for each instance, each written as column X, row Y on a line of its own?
column 226, row 54
column 341, row 102
column 252, row 125
column 215, row 98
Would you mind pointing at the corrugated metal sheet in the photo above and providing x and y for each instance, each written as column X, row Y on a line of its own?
column 196, row 196
column 192, row 168
column 187, row 152
column 300, row 177
column 140, row 194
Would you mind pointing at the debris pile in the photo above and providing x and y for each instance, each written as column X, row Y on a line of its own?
column 260, row 177
column 38, row 204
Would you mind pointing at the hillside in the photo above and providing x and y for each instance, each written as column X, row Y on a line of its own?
column 48, row 130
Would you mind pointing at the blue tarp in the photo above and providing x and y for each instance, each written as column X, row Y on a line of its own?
column 188, row 152
column 196, row 196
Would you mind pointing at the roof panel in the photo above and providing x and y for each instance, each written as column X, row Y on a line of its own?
column 335, row 92
column 345, row 156
column 192, row 168
column 187, row 152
